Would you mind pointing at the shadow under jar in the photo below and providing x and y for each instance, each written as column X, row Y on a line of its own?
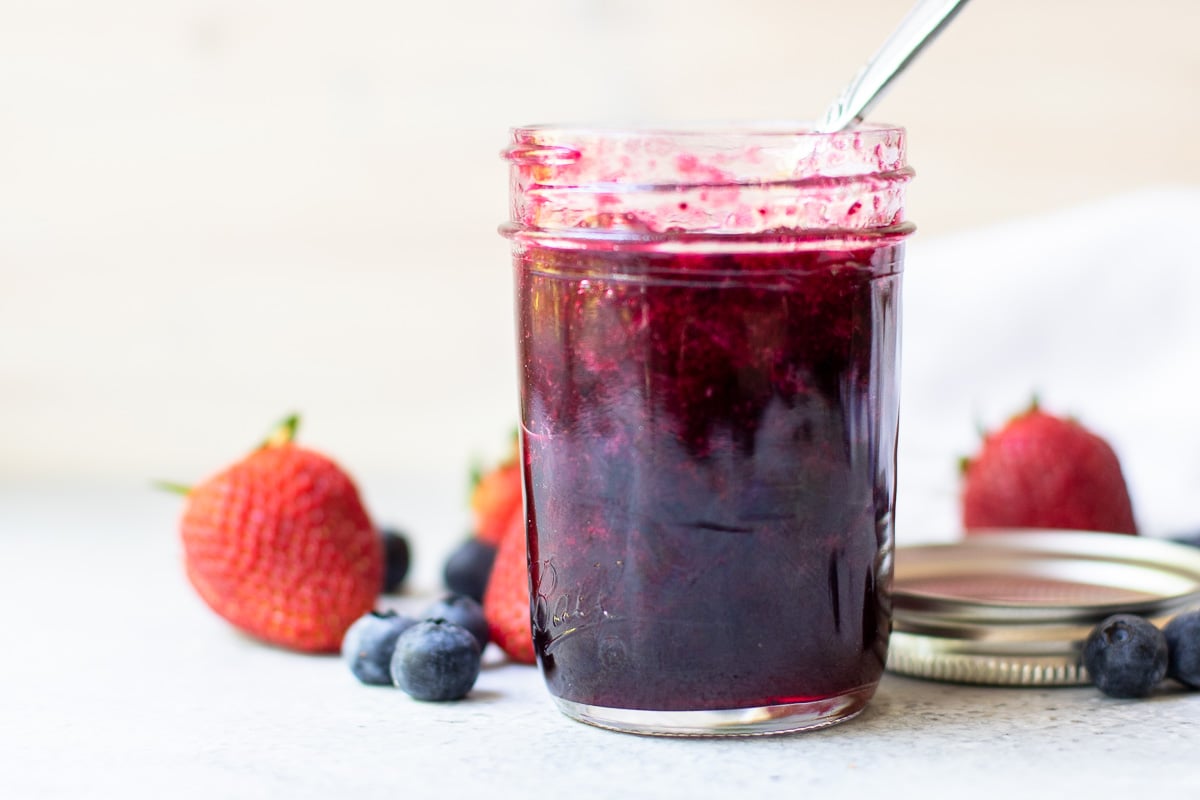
column 708, row 344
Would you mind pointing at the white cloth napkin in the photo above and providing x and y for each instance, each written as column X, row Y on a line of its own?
column 1094, row 309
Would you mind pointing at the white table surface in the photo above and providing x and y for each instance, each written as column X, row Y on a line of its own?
column 118, row 682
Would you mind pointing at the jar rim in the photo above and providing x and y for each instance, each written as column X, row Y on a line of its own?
column 727, row 178
column 752, row 128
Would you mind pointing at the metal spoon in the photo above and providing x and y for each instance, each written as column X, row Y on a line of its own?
column 919, row 28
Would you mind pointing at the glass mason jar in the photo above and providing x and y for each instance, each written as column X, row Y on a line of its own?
column 708, row 344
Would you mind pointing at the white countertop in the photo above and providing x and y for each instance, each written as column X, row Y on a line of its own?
column 118, row 682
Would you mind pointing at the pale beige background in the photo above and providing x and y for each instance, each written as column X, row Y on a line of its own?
column 213, row 212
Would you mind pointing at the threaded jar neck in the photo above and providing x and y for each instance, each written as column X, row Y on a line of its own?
column 709, row 188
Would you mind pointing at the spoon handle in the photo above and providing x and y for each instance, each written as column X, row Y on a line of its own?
column 920, row 27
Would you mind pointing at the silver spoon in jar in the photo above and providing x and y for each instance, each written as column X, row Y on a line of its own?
column 919, row 28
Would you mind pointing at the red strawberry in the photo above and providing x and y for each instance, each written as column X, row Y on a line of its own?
column 506, row 600
column 495, row 497
column 494, row 500
column 280, row 545
column 1042, row 471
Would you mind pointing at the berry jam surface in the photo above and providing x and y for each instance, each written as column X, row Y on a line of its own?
column 709, row 443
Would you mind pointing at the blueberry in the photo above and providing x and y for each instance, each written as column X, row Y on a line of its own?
column 469, row 567
column 1183, row 646
column 1190, row 538
column 1126, row 656
column 436, row 660
column 461, row 610
column 368, row 644
column 396, row 558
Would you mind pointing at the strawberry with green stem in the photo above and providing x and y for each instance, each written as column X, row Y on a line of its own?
column 280, row 545
column 496, row 497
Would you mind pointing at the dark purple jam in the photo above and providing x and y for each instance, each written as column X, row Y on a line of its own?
column 709, row 446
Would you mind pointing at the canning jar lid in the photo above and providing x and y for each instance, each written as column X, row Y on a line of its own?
column 1013, row 608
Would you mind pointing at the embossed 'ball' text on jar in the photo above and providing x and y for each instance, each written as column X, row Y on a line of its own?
column 708, row 343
